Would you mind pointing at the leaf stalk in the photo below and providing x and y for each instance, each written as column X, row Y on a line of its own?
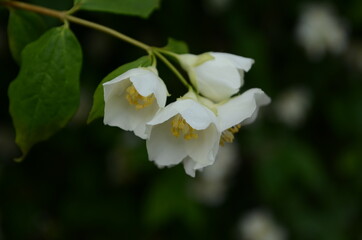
column 64, row 16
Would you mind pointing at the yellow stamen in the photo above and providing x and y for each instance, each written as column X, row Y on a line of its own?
column 180, row 126
column 228, row 134
column 136, row 99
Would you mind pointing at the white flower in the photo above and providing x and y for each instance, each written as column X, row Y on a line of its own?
column 319, row 31
column 239, row 111
column 184, row 131
column 213, row 181
column 133, row 98
column 217, row 76
column 291, row 106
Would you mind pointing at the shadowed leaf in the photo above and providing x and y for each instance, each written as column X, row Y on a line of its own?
column 45, row 94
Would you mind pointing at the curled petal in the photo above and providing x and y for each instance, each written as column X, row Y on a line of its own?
column 147, row 82
column 217, row 79
column 241, row 109
column 239, row 62
column 195, row 114
column 189, row 166
column 123, row 77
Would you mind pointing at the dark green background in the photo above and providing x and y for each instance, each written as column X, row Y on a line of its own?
column 95, row 182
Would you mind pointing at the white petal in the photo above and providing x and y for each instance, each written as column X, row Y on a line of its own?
column 238, row 61
column 114, row 98
column 203, row 150
column 115, row 87
column 195, row 114
column 126, row 75
column 164, row 148
column 161, row 94
column 147, row 82
column 140, row 120
column 218, row 79
column 164, row 114
column 242, row 109
column 189, row 166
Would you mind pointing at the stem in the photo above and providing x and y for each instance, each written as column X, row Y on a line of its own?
column 172, row 67
column 172, row 54
column 65, row 17
column 108, row 30
column 34, row 8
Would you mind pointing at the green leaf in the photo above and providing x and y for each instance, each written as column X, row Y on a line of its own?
column 45, row 94
column 97, row 110
column 141, row 8
column 24, row 27
column 176, row 46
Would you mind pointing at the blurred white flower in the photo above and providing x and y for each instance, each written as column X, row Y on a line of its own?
column 133, row 98
column 212, row 183
column 184, row 131
column 291, row 106
column 319, row 30
column 259, row 225
column 217, row 76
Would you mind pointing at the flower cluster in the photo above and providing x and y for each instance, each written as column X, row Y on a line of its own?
column 191, row 129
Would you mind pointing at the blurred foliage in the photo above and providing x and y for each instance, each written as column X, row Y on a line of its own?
column 95, row 182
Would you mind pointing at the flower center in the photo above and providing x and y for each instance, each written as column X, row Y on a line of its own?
column 228, row 134
column 180, row 126
column 136, row 99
